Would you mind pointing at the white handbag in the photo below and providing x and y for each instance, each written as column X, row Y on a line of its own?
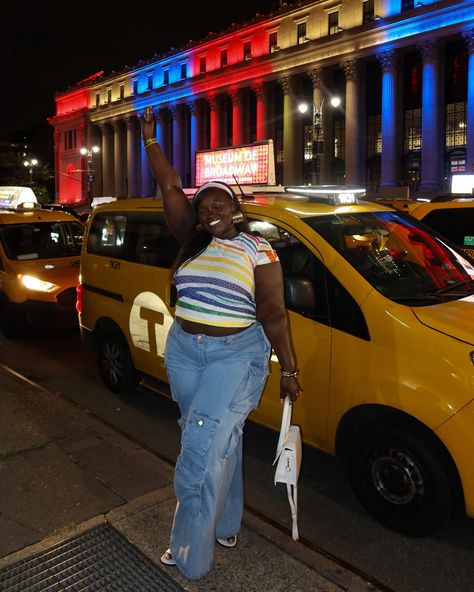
column 288, row 461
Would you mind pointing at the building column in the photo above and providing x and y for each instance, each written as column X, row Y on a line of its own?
column 133, row 155
column 214, row 121
column 119, row 159
column 237, row 116
column 195, row 110
column 261, row 94
column 432, row 120
column 177, row 143
column 108, row 177
column 389, row 169
column 292, row 139
column 354, row 125
column 468, row 37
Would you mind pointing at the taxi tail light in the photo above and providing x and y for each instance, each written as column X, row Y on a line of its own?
column 79, row 298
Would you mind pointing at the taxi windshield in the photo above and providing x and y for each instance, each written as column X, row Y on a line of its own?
column 42, row 240
column 398, row 256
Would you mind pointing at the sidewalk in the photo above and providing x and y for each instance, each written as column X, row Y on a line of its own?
column 64, row 475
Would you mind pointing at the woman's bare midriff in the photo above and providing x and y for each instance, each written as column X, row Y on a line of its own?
column 201, row 329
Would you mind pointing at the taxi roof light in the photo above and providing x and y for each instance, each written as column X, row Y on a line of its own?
column 331, row 194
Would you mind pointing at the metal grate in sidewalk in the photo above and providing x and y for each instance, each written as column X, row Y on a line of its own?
column 101, row 560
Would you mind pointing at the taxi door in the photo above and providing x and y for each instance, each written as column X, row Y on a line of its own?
column 305, row 294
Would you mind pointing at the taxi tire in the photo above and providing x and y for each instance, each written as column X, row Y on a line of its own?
column 401, row 476
column 115, row 362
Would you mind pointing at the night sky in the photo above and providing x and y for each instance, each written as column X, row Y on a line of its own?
column 49, row 46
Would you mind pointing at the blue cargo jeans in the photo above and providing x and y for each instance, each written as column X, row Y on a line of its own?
column 216, row 382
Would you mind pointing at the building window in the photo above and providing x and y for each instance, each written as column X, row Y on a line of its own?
column 457, row 165
column 223, row 58
column 412, row 135
column 149, row 82
column 97, row 99
column 273, row 42
column 202, row 65
column 135, row 87
column 367, row 11
column 301, row 33
column 247, row 50
column 70, row 139
column 109, row 95
column 184, row 71
column 456, row 125
column 122, row 91
column 333, row 23
column 339, row 139
column 166, row 77
column 374, row 135
column 407, row 5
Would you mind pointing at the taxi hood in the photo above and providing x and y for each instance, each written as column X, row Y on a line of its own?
column 455, row 318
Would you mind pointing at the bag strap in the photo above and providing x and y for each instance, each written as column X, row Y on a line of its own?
column 293, row 500
column 285, row 424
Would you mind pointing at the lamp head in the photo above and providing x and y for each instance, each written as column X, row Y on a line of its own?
column 303, row 107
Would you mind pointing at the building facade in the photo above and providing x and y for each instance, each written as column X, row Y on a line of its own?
column 404, row 71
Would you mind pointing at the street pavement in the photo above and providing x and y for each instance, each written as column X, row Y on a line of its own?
column 64, row 473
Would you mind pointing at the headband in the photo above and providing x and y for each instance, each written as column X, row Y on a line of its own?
column 215, row 185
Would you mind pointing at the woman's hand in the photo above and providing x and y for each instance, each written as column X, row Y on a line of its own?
column 148, row 124
column 290, row 387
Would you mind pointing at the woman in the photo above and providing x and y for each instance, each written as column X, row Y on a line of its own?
column 229, row 313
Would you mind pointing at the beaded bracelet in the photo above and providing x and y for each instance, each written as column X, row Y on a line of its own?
column 292, row 374
column 149, row 142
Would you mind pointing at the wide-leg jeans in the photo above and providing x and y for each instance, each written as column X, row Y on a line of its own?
column 216, row 381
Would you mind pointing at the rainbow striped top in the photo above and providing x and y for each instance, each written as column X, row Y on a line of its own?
column 218, row 286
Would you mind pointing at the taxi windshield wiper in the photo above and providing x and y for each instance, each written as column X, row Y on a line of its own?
column 414, row 297
column 454, row 285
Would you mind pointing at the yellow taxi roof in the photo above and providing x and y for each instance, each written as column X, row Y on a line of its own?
column 22, row 215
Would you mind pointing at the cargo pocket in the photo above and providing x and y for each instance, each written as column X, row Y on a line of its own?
column 234, row 439
column 198, row 434
column 248, row 394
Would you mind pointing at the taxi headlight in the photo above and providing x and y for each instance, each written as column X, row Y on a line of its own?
column 33, row 283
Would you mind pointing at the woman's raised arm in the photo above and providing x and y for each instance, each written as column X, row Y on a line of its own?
column 178, row 210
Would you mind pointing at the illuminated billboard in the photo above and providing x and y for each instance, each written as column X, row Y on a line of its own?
column 252, row 164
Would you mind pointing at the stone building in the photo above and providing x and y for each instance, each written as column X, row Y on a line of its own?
column 404, row 70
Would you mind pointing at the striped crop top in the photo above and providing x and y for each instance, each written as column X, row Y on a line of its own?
column 218, row 287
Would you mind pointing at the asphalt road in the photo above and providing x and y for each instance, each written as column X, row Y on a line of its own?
column 330, row 516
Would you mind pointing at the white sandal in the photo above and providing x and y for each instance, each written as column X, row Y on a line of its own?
column 229, row 541
column 167, row 558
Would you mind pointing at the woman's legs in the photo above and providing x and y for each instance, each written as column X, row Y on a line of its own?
column 227, row 378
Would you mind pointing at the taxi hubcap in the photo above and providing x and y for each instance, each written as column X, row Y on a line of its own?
column 112, row 362
column 396, row 476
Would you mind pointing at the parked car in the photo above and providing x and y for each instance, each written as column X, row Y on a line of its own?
column 450, row 217
column 382, row 318
column 39, row 268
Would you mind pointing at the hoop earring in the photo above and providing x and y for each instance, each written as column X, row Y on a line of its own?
column 237, row 217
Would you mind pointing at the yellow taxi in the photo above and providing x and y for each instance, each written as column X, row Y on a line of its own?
column 452, row 218
column 382, row 318
column 39, row 268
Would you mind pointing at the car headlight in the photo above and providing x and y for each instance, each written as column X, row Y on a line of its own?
column 33, row 283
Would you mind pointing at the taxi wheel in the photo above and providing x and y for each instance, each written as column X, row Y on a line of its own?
column 115, row 363
column 401, row 477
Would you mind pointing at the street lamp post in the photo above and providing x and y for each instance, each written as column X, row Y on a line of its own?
column 30, row 164
column 317, row 136
column 90, row 176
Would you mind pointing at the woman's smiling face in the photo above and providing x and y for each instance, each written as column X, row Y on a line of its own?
column 215, row 213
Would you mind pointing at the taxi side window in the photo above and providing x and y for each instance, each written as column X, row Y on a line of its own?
column 303, row 272
column 310, row 288
column 138, row 237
